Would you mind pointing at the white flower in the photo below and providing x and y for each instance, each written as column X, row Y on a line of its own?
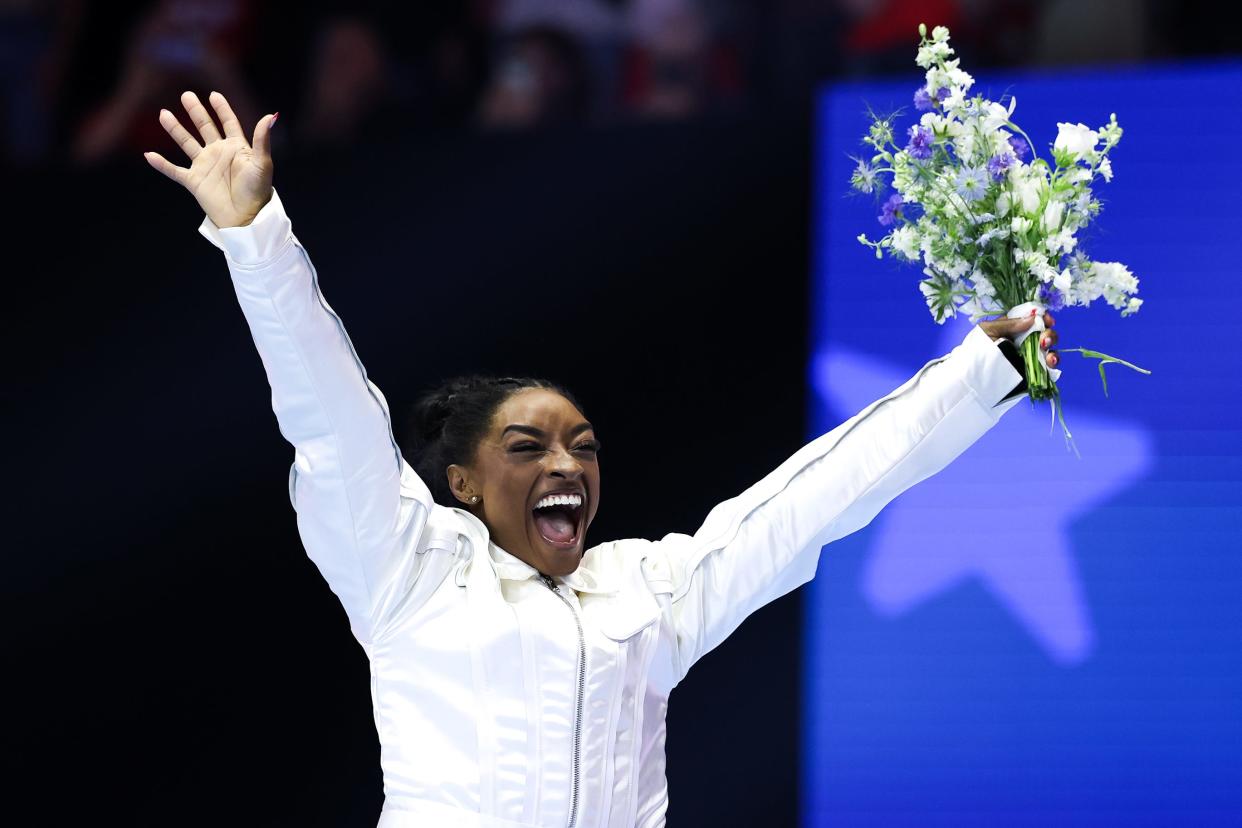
column 932, row 53
column 1132, row 306
column 1115, row 283
column 906, row 242
column 1116, row 275
column 1003, row 204
column 1077, row 139
column 1020, row 225
column 1053, row 214
column 995, row 116
column 1106, row 169
column 964, row 145
column 958, row 77
column 1062, row 242
column 940, row 34
column 1040, row 268
column 1079, row 175
column 956, row 268
column 983, row 287
column 1062, row 280
column 1110, row 133
column 994, row 233
column 956, row 101
column 1028, row 192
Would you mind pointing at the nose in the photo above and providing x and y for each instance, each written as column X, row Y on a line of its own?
column 563, row 464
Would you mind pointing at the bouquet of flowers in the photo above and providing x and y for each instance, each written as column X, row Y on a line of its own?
column 994, row 226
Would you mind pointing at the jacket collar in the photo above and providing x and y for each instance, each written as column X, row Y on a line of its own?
column 512, row 568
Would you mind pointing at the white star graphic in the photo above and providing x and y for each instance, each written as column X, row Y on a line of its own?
column 1001, row 512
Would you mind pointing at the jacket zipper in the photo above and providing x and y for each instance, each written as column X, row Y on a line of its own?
column 581, row 691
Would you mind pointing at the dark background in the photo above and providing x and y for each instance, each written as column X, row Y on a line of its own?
column 172, row 656
column 173, row 644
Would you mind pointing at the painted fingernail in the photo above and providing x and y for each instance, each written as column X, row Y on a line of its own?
column 274, row 117
column 1043, row 342
column 1032, row 311
column 1053, row 359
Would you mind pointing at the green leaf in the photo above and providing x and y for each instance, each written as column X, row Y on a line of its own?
column 1105, row 359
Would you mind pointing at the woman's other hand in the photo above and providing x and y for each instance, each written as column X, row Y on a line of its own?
column 230, row 178
column 1008, row 328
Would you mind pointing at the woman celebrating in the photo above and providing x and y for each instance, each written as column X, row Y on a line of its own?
column 517, row 677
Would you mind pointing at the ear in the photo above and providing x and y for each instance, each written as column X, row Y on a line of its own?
column 460, row 484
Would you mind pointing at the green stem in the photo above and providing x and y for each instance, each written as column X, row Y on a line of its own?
column 1039, row 383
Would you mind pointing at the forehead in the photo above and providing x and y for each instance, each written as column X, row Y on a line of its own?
column 537, row 407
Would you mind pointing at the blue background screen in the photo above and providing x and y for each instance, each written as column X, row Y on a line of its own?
column 1029, row 634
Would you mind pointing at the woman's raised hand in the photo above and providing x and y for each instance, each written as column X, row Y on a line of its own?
column 230, row 178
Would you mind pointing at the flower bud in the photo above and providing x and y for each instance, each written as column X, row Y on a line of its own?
column 922, row 30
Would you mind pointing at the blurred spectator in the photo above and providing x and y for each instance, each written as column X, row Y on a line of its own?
column 597, row 28
column 36, row 37
column 452, row 69
column 349, row 83
column 676, row 66
column 540, row 79
column 179, row 45
column 882, row 35
column 383, row 67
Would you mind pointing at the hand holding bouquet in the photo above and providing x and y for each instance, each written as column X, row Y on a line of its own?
column 994, row 226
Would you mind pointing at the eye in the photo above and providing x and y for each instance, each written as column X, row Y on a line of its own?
column 591, row 446
column 526, row 446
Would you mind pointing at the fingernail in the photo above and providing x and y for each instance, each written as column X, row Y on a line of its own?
column 1043, row 342
column 1032, row 311
column 1054, row 359
column 274, row 117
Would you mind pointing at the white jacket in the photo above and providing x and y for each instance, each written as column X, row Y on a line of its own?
column 503, row 698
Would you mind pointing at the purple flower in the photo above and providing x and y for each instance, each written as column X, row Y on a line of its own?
column 922, row 100
column 891, row 211
column 920, row 146
column 998, row 164
column 1019, row 146
column 941, row 94
column 1050, row 297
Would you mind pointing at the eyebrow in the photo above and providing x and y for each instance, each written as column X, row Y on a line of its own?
column 538, row 432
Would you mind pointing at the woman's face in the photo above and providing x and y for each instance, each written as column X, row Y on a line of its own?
column 536, row 473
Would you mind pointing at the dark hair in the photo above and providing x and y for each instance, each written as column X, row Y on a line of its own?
column 446, row 424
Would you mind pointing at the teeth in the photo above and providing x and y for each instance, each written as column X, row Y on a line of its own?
column 573, row 500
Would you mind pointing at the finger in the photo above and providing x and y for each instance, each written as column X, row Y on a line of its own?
column 200, row 116
column 232, row 127
column 184, row 139
column 1048, row 338
column 1048, row 321
column 1052, row 358
column 167, row 167
column 262, row 142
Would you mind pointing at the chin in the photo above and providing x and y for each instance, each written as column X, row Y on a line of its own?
column 559, row 561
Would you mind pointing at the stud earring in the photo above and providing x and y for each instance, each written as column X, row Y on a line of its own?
column 474, row 498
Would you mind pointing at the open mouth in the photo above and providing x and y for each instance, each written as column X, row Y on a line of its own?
column 558, row 518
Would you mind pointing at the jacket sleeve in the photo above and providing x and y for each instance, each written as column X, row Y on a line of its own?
column 765, row 542
column 360, row 508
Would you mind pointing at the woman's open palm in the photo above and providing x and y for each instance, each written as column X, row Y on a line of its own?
column 230, row 178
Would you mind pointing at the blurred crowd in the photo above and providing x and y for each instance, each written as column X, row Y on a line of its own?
column 82, row 82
